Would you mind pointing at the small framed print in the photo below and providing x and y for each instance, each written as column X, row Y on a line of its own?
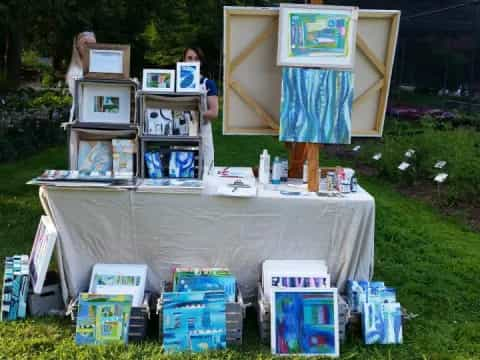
column 188, row 77
column 158, row 80
column 107, row 61
column 105, row 103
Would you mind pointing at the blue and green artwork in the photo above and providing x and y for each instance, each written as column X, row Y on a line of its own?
column 305, row 322
column 316, row 106
column 103, row 319
column 382, row 323
column 194, row 321
column 314, row 34
column 194, row 282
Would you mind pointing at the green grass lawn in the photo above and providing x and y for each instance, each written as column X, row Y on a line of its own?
column 433, row 261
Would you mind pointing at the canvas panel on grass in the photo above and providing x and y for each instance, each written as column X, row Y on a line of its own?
column 304, row 322
column 41, row 254
column 382, row 323
column 194, row 321
column 317, row 36
column 316, row 106
column 103, row 319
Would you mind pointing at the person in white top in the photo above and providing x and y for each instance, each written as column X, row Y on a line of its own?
column 75, row 69
column 195, row 54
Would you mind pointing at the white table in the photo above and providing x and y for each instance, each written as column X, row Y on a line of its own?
column 164, row 230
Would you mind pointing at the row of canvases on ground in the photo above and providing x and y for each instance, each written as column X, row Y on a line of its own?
column 299, row 310
column 298, row 306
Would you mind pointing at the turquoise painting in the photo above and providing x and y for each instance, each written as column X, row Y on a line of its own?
column 194, row 321
column 316, row 106
column 382, row 323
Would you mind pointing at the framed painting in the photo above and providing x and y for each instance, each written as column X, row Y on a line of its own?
column 120, row 279
column 41, row 254
column 295, row 280
column 158, row 80
column 105, row 103
column 107, row 61
column 188, row 77
column 304, row 322
column 317, row 36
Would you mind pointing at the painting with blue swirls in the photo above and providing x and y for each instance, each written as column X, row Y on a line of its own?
column 188, row 77
column 316, row 105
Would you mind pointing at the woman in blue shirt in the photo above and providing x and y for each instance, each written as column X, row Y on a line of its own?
column 195, row 54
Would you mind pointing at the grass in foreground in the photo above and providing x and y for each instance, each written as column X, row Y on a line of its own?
column 430, row 259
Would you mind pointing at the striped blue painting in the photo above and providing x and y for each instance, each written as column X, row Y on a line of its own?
column 316, row 106
column 382, row 323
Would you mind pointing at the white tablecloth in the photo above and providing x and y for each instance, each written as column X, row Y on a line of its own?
column 165, row 230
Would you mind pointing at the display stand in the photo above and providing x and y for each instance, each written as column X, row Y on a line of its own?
column 164, row 143
column 299, row 152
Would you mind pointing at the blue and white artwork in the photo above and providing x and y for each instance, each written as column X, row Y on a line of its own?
column 182, row 164
column 357, row 294
column 304, row 321
column 154, row 164
column 316, row 106
column 382, row 323
column 95, row 156
column 188, row 77
column 194, row 321
column 226, row 283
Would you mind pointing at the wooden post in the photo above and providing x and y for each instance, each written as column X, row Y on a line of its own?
column 313, row 150
column 299, row 152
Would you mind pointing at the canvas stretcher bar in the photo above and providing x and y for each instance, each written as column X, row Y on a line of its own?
column 252, row 81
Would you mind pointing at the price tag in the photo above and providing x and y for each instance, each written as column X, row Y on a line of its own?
column 410, row 153
column 440, row 178
column 440, row 164
column 403, row 166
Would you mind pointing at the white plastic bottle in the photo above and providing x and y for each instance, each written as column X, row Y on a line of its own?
column 305, row 172
column 276, row 171
column 264, row 168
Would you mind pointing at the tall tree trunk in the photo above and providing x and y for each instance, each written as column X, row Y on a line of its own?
column 14, row 54
column 3, row 49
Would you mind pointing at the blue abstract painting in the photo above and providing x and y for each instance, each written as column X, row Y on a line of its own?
column 194, row 321
column 382, row 323
column 305, row 322
column 316, row 106
column 182, row 164
column 15, row 288
column 225, row 283
column 188, row 77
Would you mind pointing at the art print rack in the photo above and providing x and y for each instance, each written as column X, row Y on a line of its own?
column 169, row 123
column 105, row 112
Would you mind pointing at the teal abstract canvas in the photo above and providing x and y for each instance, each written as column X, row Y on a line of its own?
column 316, row 106
column 194, row 321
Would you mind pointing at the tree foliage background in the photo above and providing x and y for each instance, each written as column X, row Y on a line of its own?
column 157, row 31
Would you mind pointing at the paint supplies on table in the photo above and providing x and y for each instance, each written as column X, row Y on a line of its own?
column 264, row 168
column 276, row 171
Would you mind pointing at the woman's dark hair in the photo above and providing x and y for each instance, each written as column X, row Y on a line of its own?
column 200, row 54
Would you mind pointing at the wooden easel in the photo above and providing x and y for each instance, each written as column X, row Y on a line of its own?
column 299, row 152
